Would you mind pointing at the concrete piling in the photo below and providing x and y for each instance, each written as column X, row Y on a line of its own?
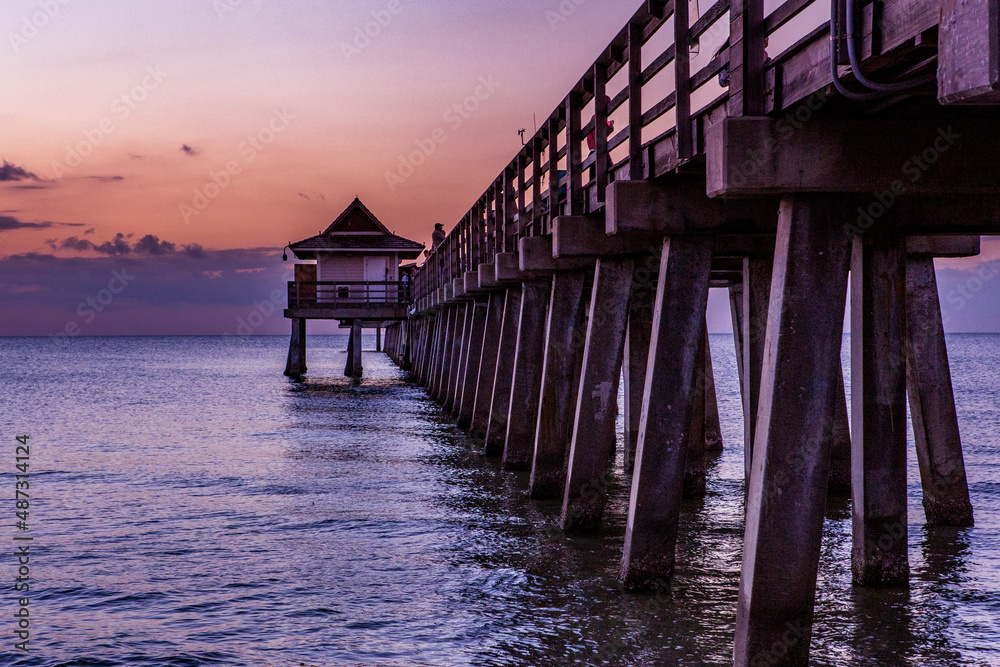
column 296, row 363
column 788, row 483
column 488, row 365
column 668, row 409
column 878, row 410
column 527, row 378
column 593, row 441
column 932, row 402
column 564, row 341
column 473, row 356
column 496, row 430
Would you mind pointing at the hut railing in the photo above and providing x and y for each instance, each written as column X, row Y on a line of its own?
column 346, row 293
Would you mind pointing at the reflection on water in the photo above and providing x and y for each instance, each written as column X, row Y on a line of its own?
column 195, row 507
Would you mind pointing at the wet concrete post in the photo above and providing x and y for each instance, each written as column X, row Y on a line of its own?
column 296, row 363
column 932, row 402
column 496, row 430
column 526, row 384
column 788, row 484
column 357, row 367
column 713, row 427
column 878, row 409
column 694, row 461
column 488, row 364
column 840, row 448
column 640, row 324
column 460, row 353
column 736, row 313
column 349, row 364
column 455, row 361
column 756, row 292
column 445, row 342
column 564, row 339
column 424, row 349
column 378, row 339
column 593, row 442
column 437, row 345
column 668, row 409
column 470, row 377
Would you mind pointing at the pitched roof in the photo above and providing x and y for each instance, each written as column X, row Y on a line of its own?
column 356, row 230
column 356, row 218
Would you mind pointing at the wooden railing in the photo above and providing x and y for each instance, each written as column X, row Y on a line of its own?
column 773, row 62
column 346, row 294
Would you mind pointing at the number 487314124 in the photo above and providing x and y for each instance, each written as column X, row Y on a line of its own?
column 22, row 453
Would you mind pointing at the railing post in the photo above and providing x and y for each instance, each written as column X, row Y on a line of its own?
column 536, row 185
column 522, row 164
column 682, row 79
column 508, row 210
column 553, row 169
column 746, row 58
column 574, row 187
column 634, row 102
column 600, row 130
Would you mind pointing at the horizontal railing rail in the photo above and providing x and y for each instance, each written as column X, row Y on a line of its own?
column 346, row 293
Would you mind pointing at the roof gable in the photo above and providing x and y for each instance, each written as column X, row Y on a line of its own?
column 356, row 218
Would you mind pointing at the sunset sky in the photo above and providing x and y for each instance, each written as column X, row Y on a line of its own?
column 183, row 143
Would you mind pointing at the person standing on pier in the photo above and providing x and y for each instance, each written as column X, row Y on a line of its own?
column 437, row 236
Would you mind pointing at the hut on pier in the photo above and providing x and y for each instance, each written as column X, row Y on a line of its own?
column 350, row 273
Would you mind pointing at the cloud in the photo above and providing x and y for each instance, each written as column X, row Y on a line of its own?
column 136, row 156
column 107, row 179
column 11, row 172
column 116, row 246
column 9, row 223
column 119, row 246
column 152, row 245
column 189, row 150
column 89, row 231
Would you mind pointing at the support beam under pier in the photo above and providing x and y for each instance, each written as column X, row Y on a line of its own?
column 496, row 431
column 474, row 353
column 564, row 340
column 354, row 367
column 878, row 410
column 527, row 379
column 488, row 366
column 788, row 483
column 296, row 363
column 932, row 402
column 667, row 412
column 593, row 441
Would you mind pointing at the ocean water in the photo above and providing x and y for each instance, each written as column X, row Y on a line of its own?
column 191, row 506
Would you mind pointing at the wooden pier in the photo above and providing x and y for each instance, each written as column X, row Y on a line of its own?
column 799, row 155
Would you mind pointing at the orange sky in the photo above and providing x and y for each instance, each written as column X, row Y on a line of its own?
column 222, row 77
